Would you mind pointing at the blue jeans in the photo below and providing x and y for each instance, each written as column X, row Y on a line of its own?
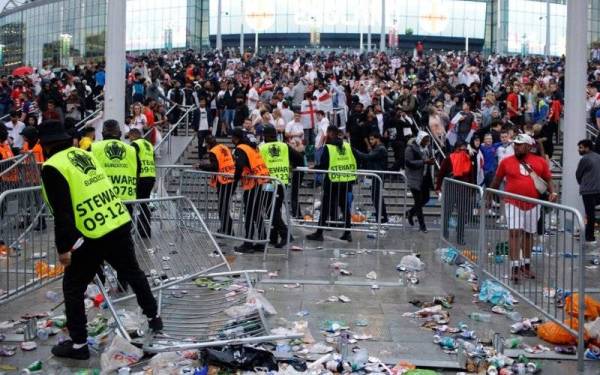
column 228, row 115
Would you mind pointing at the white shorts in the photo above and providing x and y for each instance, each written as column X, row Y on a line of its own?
column 518, row 218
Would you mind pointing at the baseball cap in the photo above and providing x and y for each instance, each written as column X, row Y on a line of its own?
column 523, row 139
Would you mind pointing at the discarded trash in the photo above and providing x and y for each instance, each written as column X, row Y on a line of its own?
column 333, row 325
column 344, row 272
column 480, row 317
column 371, row 275
column 494, row 293
column 296, row 248
column 513, row 342
column 410, row 263
column 448, row 255
column 273, row 274
column 302, row 313
column 291, row 286
column 7, row 351
column 52, row 296
column 344, row 299
column 361, row 322
column 119, row 353
column 320, row 348
column 34, row 367
column 43, row 270
column 28, row 346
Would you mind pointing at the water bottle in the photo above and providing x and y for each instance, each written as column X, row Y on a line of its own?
column 492, row 370
column 515, row 316
column 360, row 359
column 480, row 317
column 513, row 342
column 124, row 371
column 52, row 296
column 42, row 334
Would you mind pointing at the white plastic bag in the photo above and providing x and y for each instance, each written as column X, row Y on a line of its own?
column 410, row 263
column 119, row 353
column 255, row 298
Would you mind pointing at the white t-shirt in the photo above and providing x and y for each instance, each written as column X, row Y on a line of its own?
column 203, row 125
column 287, row 115
column 252, row 98
column 16, row 134
column 321, row 130
column 502, row 152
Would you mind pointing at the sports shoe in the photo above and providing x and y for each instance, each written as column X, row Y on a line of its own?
column 244, row 249
column 65, row 350
column 317, row 236
column 155, row 324
column 347, row 236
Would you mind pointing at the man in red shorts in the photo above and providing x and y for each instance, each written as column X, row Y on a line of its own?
column 518, row 171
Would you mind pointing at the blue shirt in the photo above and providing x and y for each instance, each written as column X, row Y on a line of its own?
column 490, row 161
column 100, row 78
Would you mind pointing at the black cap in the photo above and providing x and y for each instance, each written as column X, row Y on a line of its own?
column 269, row 130
column 30, row 132
column 460, row 143
column 53, row 131
column 238, row 132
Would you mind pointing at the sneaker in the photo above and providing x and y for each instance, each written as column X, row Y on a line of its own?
column 155, row 324
column 317, row 236
column 347, row 236
column 65, row 350
column 284, row 241
column 244, row 249
column 423, row 229
column 410, row 219
column 259, row 247
column 591, row 354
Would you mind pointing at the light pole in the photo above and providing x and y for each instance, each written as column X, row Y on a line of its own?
column 114, row 89
column 369, row 29
column 547, row 45
column 382, row 37
column 219, row 39
column 242, row 30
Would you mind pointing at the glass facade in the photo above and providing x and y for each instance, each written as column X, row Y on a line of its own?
column 68, row 32
column 451, row 18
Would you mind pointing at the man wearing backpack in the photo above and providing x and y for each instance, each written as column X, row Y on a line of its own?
column 458, row 166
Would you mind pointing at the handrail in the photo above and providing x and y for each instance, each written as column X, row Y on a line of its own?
column 591, row 130
column 5, row 116
column 78, row 126
column 166, row 114
column 170, row 132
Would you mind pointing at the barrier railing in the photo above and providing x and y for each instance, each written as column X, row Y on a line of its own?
column 168, row 177
column 28, row 259
column 166, row 138
column 228, row 211
column 19, row 172
column 530, row 246
column 350, row 205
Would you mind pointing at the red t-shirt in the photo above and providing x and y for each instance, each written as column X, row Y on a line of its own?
column 517, row 178
column 513, row 99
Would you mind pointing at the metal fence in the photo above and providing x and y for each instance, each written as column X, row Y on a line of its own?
column 530, row 246
column 199, row 308
column 168, row 179
column 236, row 214
column 28, row 259
column 19, row 172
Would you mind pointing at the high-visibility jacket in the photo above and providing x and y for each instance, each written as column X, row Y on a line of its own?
column 341, row 160
column 120, row 164
column 257, row 168
column 6, row 153
column 146, row 156
column 96, row 207
column 225, row 164
column 277, row 158
column 36, row 151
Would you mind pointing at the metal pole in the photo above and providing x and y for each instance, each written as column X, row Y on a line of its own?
column 575, row 81
column 255, row 42
column 114, row 90
column 219, row 39
column 360, row 48
column 242, row 30
column 547, row 45
column 467, row 45
column 369, row 30
column 382, row 36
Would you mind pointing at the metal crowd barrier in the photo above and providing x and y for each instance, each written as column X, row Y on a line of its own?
column 359, row 203
column 19, row 172
column 28, row 259
column 232, row 213
column 505, row 230
column 177, row 252
column 168, row 178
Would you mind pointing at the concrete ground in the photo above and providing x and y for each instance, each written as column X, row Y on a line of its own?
column 394, row 337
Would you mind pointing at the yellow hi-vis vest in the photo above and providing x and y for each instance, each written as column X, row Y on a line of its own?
column 120, row 165
column 146, row 156
column 277, row 159
column 341, row 161
column 96, row 207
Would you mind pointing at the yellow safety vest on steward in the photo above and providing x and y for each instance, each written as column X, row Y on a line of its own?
column 120, row 165
column 146, row 156
column 341, row 160
column 277, row 159
column 96, row 207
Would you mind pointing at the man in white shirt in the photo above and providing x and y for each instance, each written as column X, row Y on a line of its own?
column 15, row 127
column 253, row 96
column 505, row 148
column 322, row 124
column 294, row 130
column 204, row 125
column 324, row 99
column 286, row 113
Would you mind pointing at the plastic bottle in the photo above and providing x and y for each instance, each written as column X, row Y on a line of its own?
column 480, row 317
column 42, row 334
column 52, row 296
column 447, row 343
column 360, row 359
column 512, row 342
column 515, row 316
column 124, row 371
column 492, row 370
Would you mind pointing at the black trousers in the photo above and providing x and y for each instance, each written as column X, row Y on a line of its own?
column 296, row 182
column 420, row 197
column 335, row 195
column 278, row 227
column 224, row 192
column 589, row 203
column 144, row 189
column 117, row 249
column 254, row 221
column 398, row 147
column 375, row 191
